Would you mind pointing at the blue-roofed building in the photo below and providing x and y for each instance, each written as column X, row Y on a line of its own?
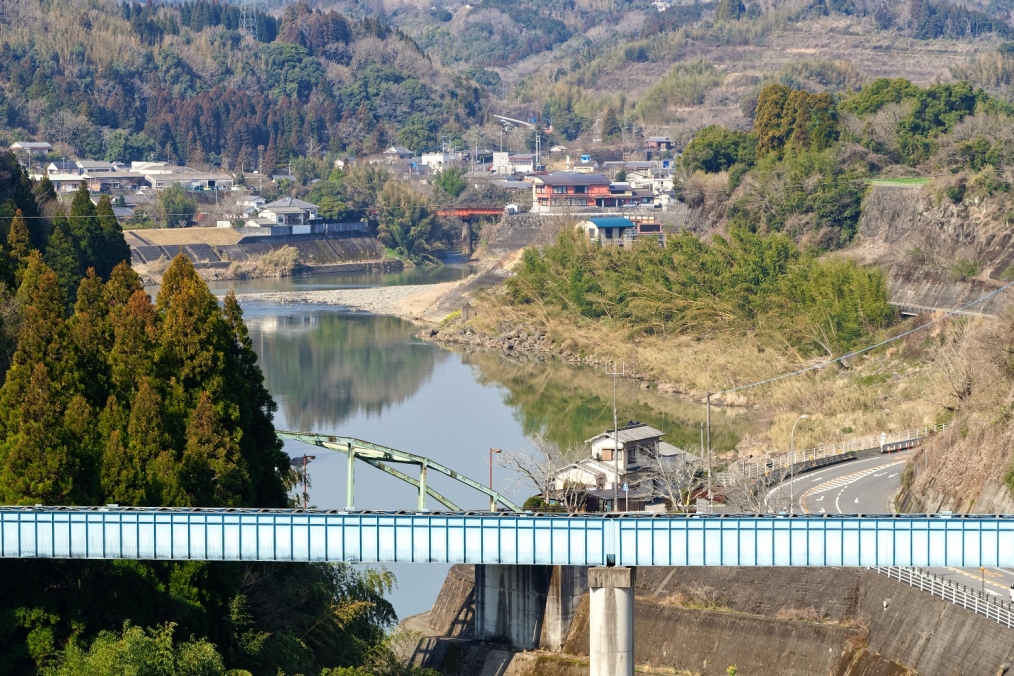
column 608, row 229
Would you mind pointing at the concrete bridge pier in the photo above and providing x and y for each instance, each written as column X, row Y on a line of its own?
column 611, row 620
column 527, row 607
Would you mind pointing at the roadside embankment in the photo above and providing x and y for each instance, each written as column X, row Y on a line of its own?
column 763, row 621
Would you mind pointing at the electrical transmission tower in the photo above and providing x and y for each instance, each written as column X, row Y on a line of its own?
column 248, row 17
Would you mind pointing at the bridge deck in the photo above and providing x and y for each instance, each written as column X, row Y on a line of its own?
column 505, row 538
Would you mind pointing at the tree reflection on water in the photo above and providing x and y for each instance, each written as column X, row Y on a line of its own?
column 570, row 404
column 327, row 367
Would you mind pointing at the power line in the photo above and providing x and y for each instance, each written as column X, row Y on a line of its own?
column 854, row 353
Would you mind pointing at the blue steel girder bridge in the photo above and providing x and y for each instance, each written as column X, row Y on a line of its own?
column 380, row 456
column 525, row 539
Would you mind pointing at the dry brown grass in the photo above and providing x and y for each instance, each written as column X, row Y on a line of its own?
column 894, row 389
column 281, row 262
column 697, row 597
column 970, row 468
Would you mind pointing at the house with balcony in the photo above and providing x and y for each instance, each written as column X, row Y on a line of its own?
column 659, row 144
column 624, row 457
column 567, row 190
column 288, row 211
column 514, row 163
column 113, row 180
column 93, row 167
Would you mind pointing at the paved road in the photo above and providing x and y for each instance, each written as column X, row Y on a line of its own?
column 868, row 486
column 863, row 486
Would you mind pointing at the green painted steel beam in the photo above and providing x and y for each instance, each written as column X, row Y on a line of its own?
column 415, row 482
column 367, row 450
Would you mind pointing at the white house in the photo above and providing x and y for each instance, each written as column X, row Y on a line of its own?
column 513, row 163
column 32, row 146
column 91, row 167
column 437, row 161
column 617, row 459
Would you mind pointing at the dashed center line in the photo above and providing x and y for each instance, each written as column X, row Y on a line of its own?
column 977, row 578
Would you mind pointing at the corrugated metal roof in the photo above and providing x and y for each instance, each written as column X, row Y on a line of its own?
column 612, row 222
column 629, row 433
column 573, row 178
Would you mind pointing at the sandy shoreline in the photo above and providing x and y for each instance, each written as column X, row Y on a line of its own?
column 408, row 302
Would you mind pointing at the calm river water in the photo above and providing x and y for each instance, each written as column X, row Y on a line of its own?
column 367, row 376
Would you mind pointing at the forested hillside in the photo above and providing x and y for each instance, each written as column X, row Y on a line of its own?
column 110, row 397
column 183, row 83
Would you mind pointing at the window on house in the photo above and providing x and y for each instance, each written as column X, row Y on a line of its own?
column 559, row 190
column 540, row 189
column 607, row 454
column 631, row 456
column 581, row 189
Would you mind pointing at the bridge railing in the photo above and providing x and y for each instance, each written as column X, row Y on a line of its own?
column 778, row 465
column 969, row 598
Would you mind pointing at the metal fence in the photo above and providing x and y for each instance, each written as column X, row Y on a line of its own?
column 778, row 465
column 969, row 598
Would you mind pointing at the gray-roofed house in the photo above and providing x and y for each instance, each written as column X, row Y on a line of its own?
column 625, row 457
column 92, row 167
column 399, row 152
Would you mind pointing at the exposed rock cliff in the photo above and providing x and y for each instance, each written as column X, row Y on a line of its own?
column 937, row 254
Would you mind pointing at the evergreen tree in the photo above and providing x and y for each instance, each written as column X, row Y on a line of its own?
column 36, row 462
column 770, row 124
column 133, row 348
column 610, row 125
column 259, row 446
column 64, row 258
column 87, row 232
column 19, row 246
column 213, row 471
column 729, row 10
column 92, row 335
column 114, row 246
column 149, row 449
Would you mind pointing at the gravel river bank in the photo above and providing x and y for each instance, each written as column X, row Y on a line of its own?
column 408, row 301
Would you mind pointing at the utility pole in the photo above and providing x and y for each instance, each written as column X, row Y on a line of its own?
column 702, row 452
column 616, row 443
column 709, row 452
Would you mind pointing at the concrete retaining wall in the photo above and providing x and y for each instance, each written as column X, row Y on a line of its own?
column 453, row 613
column 859, row 637
column 709, row 642
column 313, row 250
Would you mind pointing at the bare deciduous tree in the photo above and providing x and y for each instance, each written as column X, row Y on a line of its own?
column 673, row 478
column 538, row 466
column 743, row 493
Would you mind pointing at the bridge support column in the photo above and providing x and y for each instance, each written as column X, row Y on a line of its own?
column 527, row 606
column 350, row 489
column 422, row 488
column 611, row 621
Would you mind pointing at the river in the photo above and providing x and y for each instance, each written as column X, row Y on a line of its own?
column 366, row 376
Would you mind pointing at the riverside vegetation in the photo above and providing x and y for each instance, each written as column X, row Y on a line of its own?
column 770, row 288
column 109, row 397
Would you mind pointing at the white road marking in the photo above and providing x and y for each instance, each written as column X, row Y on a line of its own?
column 892, row 475
column 816, row 478
column 842, row 482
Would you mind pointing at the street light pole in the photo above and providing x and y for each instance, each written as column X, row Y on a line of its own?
column 492, row 500
column 792, row 462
